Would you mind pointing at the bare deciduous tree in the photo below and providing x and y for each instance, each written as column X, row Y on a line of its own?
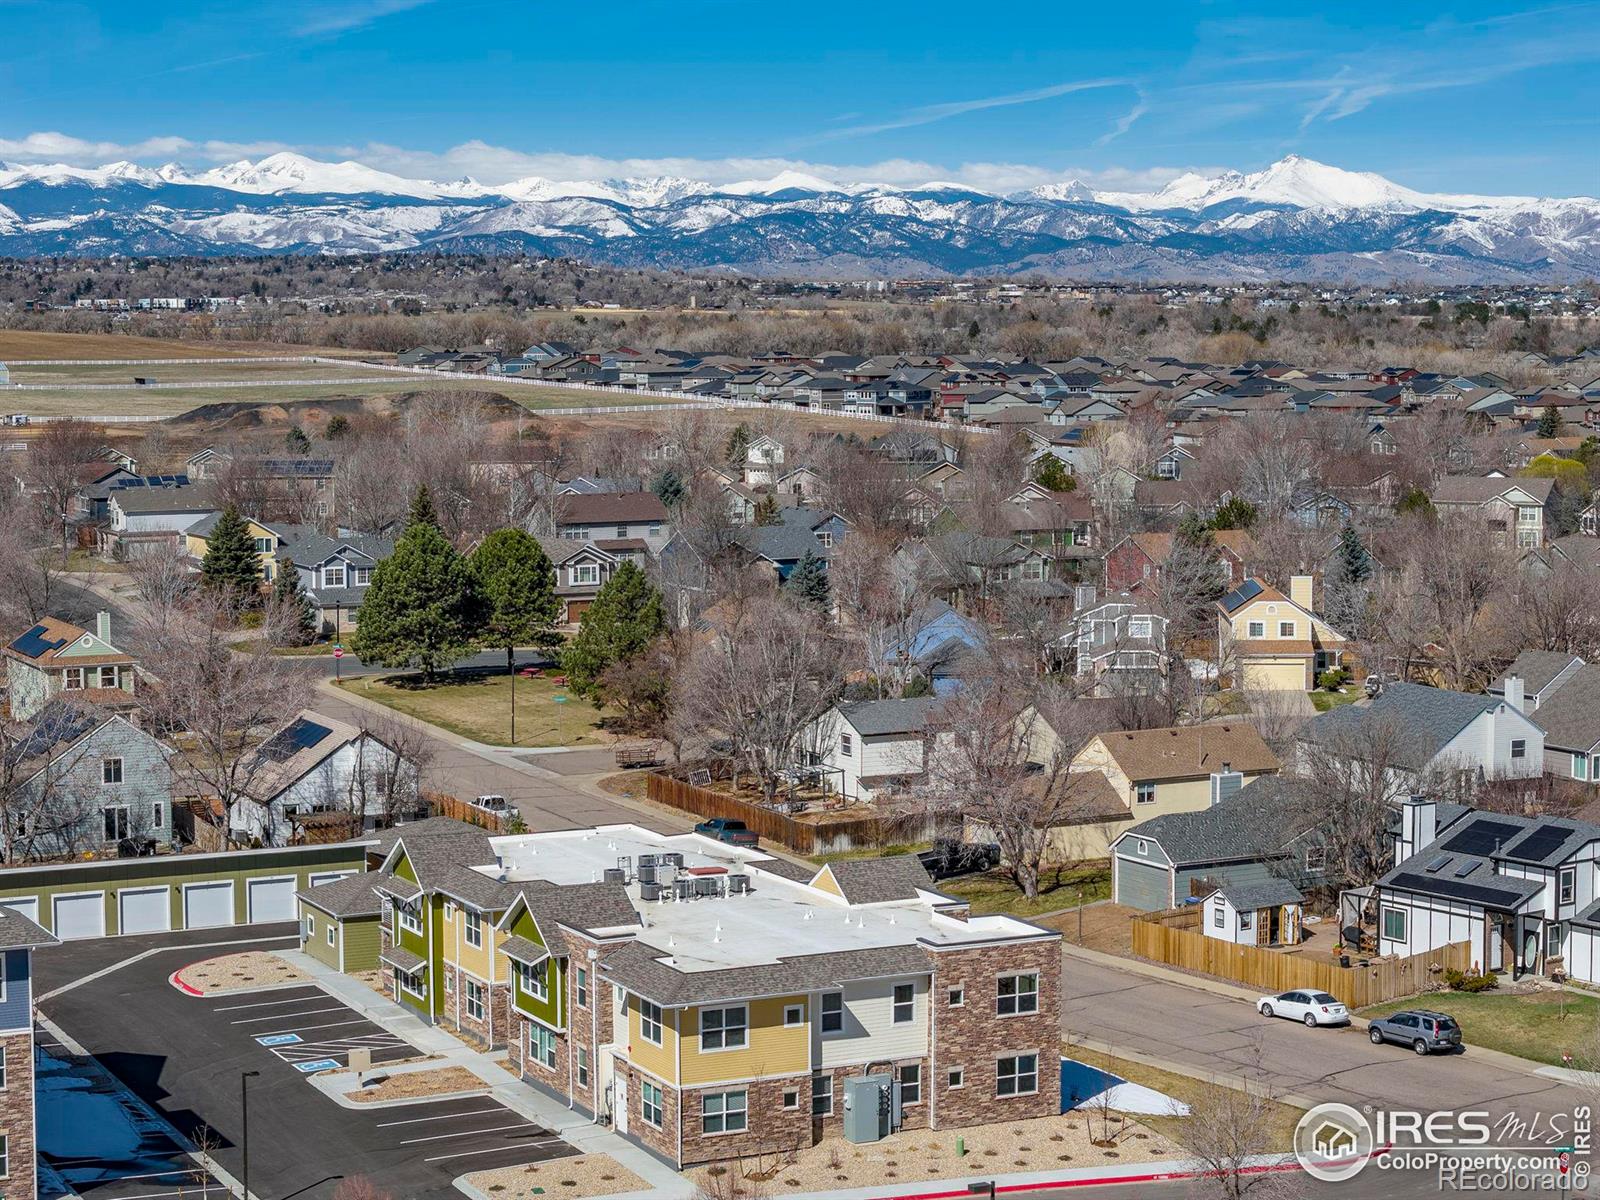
column 1230, row 1128
column 54, row 468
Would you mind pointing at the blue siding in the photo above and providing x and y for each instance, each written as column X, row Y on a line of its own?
column 16, row 1010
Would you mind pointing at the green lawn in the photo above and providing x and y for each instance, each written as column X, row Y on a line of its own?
column 81, row 562
column 1540, row 1025
column 871, row 852
column 480, row 709
column 1323, row 701
column 993, row 892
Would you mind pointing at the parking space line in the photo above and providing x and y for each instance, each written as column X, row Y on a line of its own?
column 267, row 1003
column 523, row 1146
column 150, row 1195
column 309, row 1028
column 438, row 1137
column 310, row 1012
column 477, row 1112
column 156, row 1174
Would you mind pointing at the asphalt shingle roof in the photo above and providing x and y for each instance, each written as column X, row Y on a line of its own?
column 1537, row 668
column 881, row 880
column 1248, row 897
column 18, row 932
column 351, row 896
column 1425, row 720
column 1570, row 717
column 1261, row 819
column 877, row 718
column 1186, row 751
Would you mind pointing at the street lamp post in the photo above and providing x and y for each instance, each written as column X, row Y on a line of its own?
column 244, row 1119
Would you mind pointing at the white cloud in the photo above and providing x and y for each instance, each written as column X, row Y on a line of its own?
column 342, row 18
column 929, row 113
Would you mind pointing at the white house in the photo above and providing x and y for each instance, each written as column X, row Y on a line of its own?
column 316, row 764
column 763, row 461
column 1254, row 914
column 864, row 749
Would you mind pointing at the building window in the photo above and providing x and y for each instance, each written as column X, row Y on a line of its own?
column 1144, row 793
column 1017, row 994
column 655, row 531
column 541, row 1045
column 1580, row 766
column 956, row 1077
column 1554, row 936
column 826, row 538
column 904, row 1003
column 474, row 1000
column 1017, row 1075
column 157, row 817
column 1568, row 884
column 794, row 1014
column 311, row 927
column 533, row 980
column 1218, row 916
column 622, row 531
column 5, row 1156
column 822, row 1095
column 1247, row 919
column 110, row 770
column 115, row 817
column 724, row 1112
column 1139, row 627
column 650, row 1022
column 108, row 677
column 958, row 996
column 833, row 1012
column 723, row 1028
column 1256, row 629
column 333, row 576
column 333, row 934
column 847, row 745
column 585, row 573
column 1394, row 924
column 581, row 988
column 449, row 984
column 360, row 576
column 650, row 1104
column 1286, row 629
column 1519, row 748
column 474, row 929
column 911, row 1083
column 1144, row 846
column 72, row 679
column 583, row 1067
column 264, row 545
column 410, row 982
column 1316, row 858
column 410, row 916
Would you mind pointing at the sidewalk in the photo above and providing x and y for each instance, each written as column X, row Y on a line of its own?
column 572, row 1127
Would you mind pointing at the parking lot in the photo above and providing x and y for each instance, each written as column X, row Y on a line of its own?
column 186, row 1057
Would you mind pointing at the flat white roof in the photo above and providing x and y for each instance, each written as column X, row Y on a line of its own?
column 777, row 918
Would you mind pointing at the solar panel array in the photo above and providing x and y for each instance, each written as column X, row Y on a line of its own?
column 289, row 741
column 34, row 643
column 1483, row 837
column 151, row 481
column 1246, row 591
column 1493, row 897
column 1539, row 844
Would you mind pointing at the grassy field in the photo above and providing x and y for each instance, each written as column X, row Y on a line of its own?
column 1540, row 1025
column 480, row 709
column 27, row 343
column 195, row 373
column 993, row 892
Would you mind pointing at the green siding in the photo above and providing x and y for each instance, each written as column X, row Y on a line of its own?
column 361, row 944
column 316, row 938
column 174, row 870
column 550, row 1011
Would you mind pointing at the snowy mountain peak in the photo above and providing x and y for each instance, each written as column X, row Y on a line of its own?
column 290, row 172
column 1074, row 190
column 784, row 181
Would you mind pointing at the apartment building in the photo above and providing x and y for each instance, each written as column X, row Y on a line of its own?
column 710, row 1001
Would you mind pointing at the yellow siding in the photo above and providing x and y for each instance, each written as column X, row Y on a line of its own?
column 660, row 1061
column 1095, row 756
column 477, row 961
column 771, row 1048
column 826, row 883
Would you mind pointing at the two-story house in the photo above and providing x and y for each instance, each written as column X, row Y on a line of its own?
column 615, row 517
column 870, row 747
column 335, row 571
column 1272, row 642
column 1516, row 510
column 1115, row 636
column 583, row 568
column 56, row 658
column 763, row 461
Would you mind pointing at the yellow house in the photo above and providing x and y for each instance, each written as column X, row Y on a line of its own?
column 1273, row 642
column 197, row 542
column 1182, row 769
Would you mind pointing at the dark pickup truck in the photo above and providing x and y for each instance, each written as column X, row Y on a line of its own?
column 726, row 829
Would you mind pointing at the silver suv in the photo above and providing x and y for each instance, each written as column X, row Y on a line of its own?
column 1424, row 1031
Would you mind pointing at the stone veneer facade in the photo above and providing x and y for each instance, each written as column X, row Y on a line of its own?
column 17, row 1118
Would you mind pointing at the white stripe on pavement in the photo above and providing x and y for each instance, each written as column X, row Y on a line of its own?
column 522, row 1146
column 310, row 1012
column 477, row 1112
column 117, row 966
column 269, row 1003
column 309, row 1028
column 439, row 1137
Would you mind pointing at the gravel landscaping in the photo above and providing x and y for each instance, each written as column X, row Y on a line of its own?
column 415, row 1085
column 1043, row 1144
column 231, row 972
column 581, row 1175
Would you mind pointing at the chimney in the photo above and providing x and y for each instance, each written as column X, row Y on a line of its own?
column 1303, row 591
column 1515, row 695
column 102, row 626
column 1419, row 821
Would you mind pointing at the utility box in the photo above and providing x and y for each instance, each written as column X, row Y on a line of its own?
column 361, row 1059
column 868, row 1102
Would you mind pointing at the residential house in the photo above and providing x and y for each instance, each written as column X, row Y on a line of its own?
column 763, row 461
column 870, row 748
column 1266, row 830
column 143, row 520
column 1426, row 737
column 1566, row 708
column 1274, row 642
column 1516, row 509
column 19, row 938
column 55, row 658
column 339, row 922
column 583, row 568
column 1541, row 673
column 615, row 516
column 936, row 639
column 335, row 571
column 1115, row 636
column 1136, row 562
column 317, row 771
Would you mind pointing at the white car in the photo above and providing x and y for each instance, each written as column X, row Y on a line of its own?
column 1314, row 1008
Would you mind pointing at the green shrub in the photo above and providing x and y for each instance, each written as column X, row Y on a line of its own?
column 1460, row 981
column 1333, row 680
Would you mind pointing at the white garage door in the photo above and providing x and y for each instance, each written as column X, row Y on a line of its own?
column 28, row 906
column 318, row 878
column 143, row 910
column 206, row 905
column 271, row 899
column 80, row 915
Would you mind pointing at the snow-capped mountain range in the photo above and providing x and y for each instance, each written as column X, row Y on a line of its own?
column 1295, row 219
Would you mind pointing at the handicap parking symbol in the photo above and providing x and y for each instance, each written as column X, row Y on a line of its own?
column 321, row 1064
column 278, row 1039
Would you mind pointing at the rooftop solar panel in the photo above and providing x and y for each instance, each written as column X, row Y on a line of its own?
column 34, row 643
column 1248, row 590
column 289, row 741
column 1477, row 892
column 1483, row 837
column 1539, row 844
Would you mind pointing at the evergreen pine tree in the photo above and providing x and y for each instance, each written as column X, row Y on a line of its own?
column 766, row 511
column 230, row 564
column 289, row 593
column 626, row 616
column 338, row 426
column 668, row 488
column 738, row 443
column 421, row 608
column 1549, row 422
column 1052, row 473
column 297, row 441
column 808, row 582
column 1355, row 565
column 517, row 586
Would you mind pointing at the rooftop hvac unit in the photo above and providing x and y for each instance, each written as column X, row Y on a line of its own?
column 707, row 885
column 671, row 858
column 738, row 884
column 649, row 889
column 683, row 888
column 615, row 875
column 647, row 872
column 646, row 860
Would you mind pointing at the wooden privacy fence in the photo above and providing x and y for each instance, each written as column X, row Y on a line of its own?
column 803, row 837
column 1274, row 971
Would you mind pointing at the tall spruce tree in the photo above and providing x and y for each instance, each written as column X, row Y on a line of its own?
column 421, row 609
column 626, row 616
column 231, row 565
column 1550, row 422
column 668, row 487
column 517, row 587
column 1355, row 564
column 291, row 595
column 808, row 582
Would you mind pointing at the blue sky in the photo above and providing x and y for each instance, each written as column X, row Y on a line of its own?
column 1486, row 98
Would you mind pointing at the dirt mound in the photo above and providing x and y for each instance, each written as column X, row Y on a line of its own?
column 236, row 417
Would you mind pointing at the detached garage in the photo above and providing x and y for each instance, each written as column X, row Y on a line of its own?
column 207, row 905
column 144, row 910
column 79, row 915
